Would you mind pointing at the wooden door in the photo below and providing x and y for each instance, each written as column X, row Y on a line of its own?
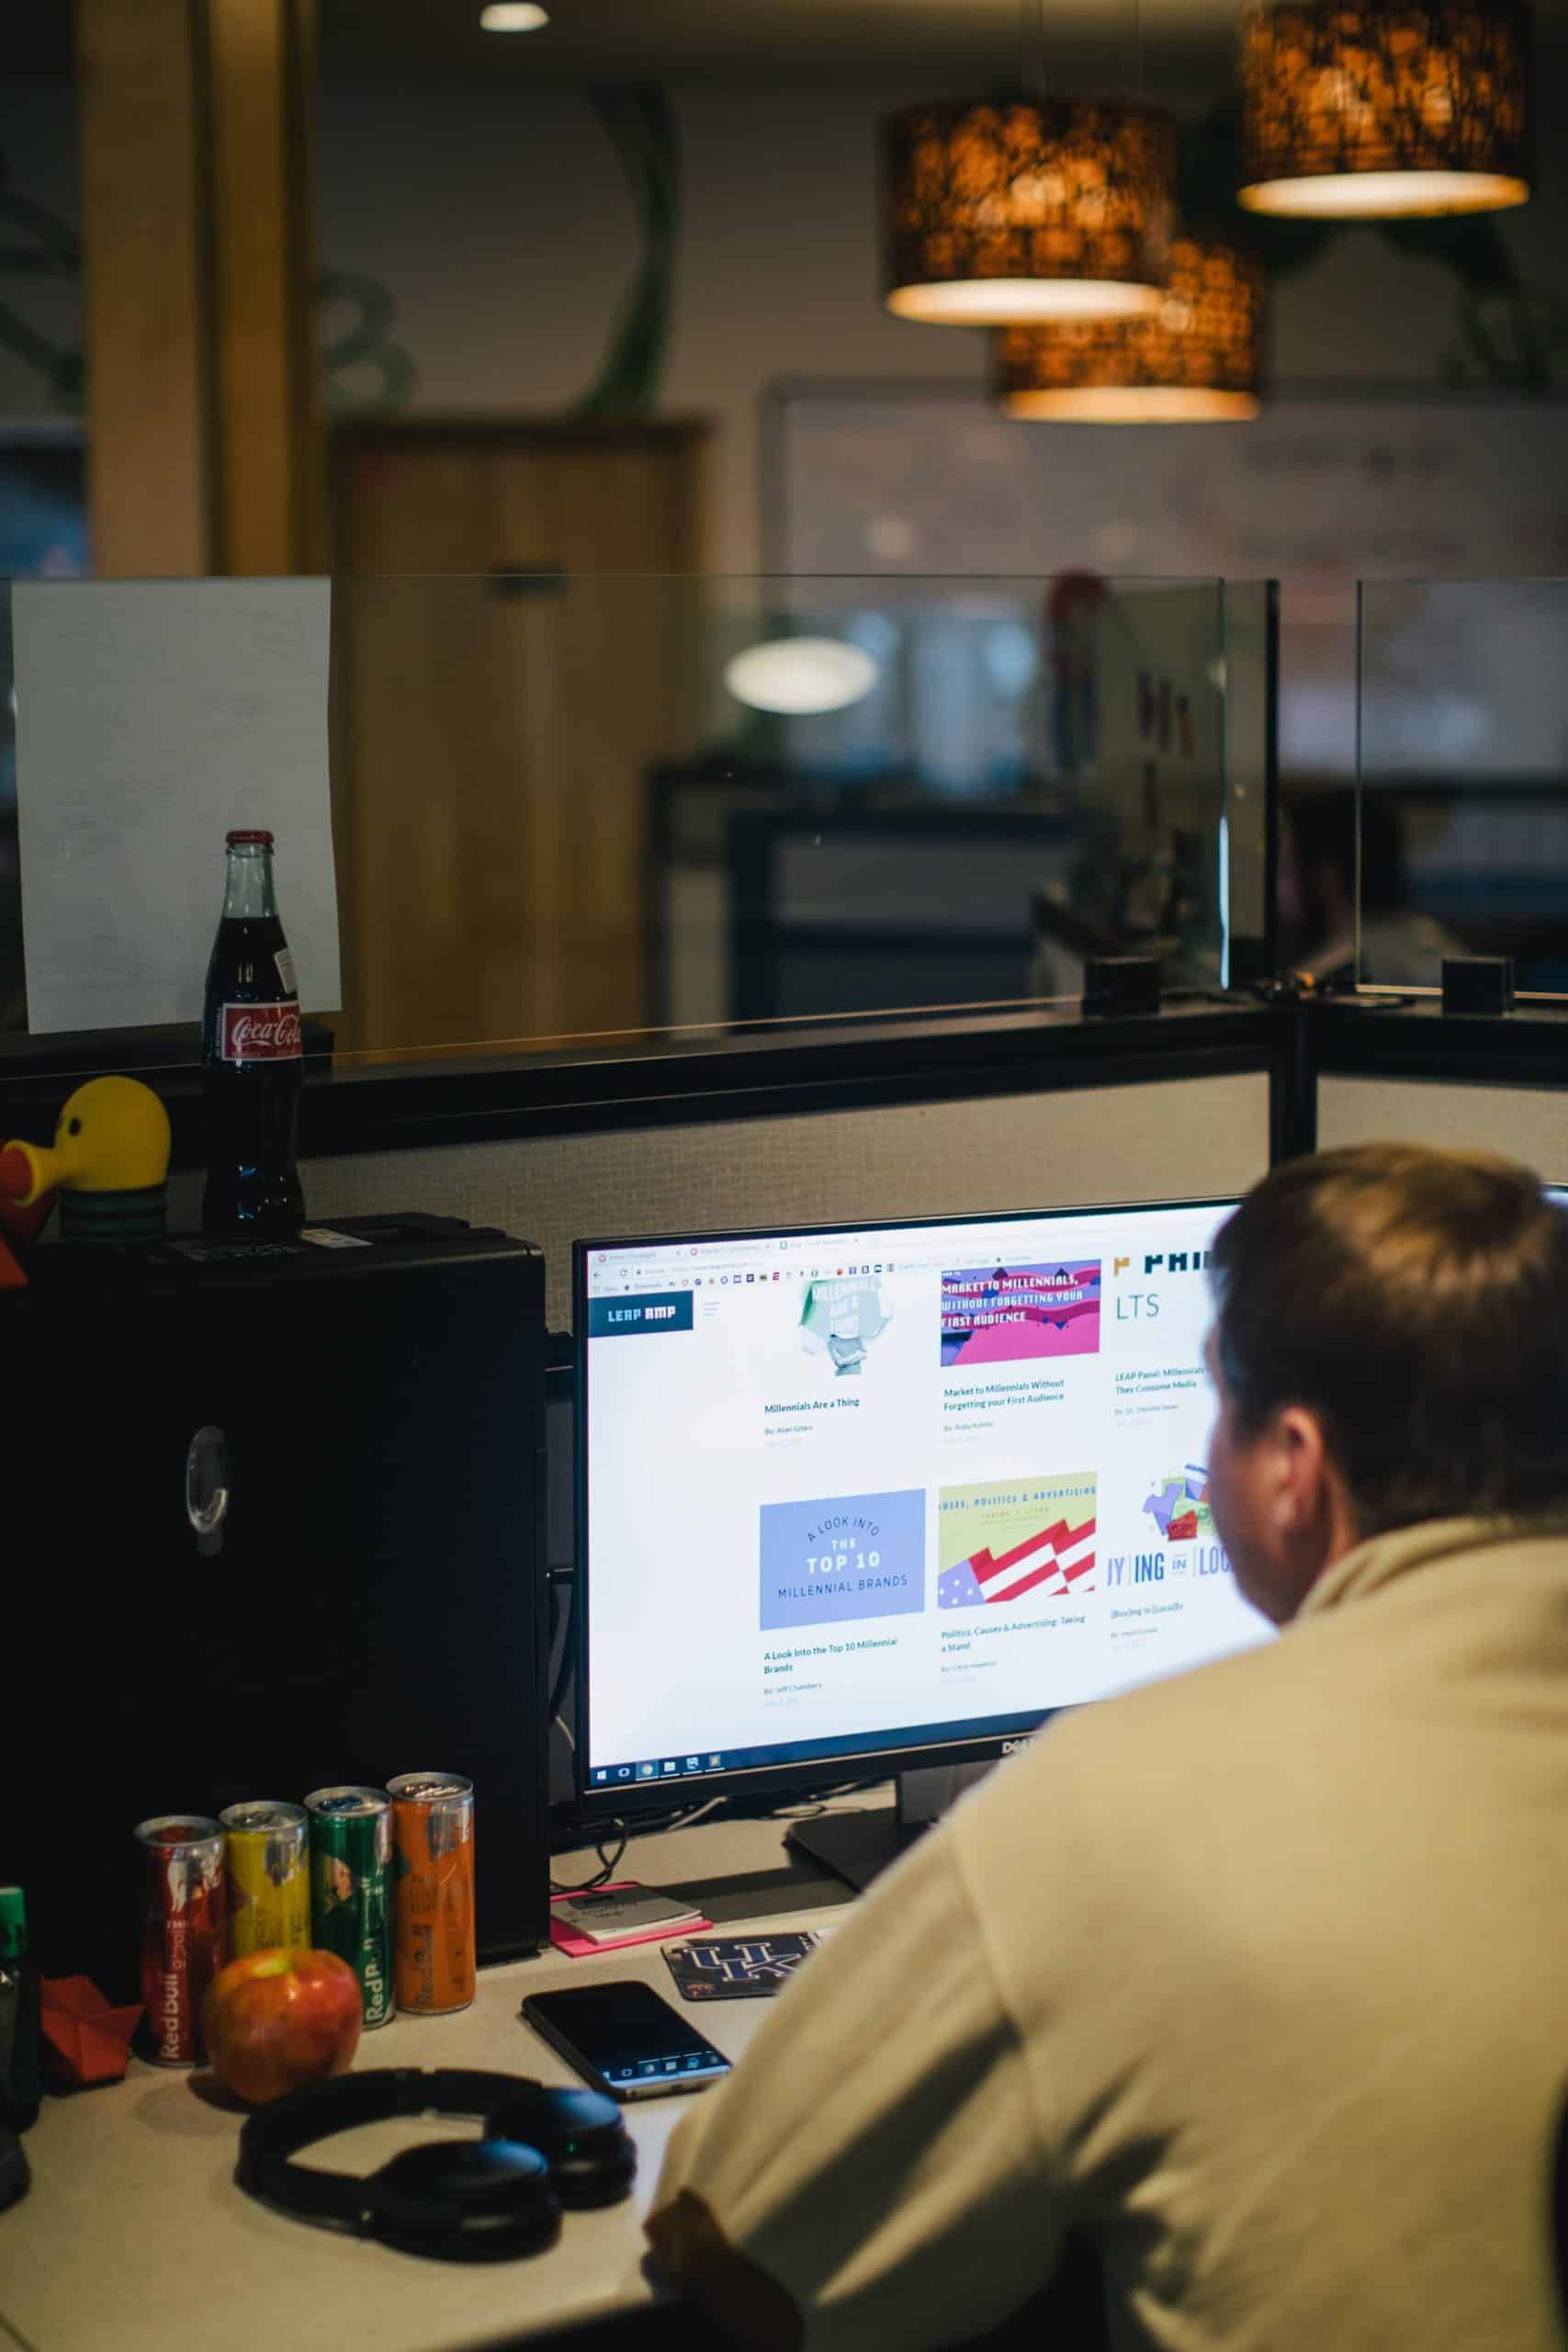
column 514, row 649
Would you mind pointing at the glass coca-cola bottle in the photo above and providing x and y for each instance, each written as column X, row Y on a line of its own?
column 254, row 1057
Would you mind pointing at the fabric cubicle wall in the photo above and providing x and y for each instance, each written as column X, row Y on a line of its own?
column 1169, row 1138
column 1528, row 1122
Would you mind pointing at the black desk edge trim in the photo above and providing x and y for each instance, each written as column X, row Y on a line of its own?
column 843, row 1066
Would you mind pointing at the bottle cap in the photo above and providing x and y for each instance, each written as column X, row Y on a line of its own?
column 12, row 1924
column 248, row 834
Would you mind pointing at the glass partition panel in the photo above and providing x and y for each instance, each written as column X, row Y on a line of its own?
column 1249, row 677
column 533, row 812
column 1460, row 842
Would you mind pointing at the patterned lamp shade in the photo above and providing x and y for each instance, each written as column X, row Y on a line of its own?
column 1356, row 111
column 1028, row 208
column 1197, row 360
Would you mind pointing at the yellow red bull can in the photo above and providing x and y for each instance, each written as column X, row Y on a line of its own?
column 266, row 1848
column 432, row 1883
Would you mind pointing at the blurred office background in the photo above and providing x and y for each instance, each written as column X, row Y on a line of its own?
column 567, row 357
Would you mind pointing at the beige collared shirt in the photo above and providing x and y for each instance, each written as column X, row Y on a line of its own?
column 1257, row 1978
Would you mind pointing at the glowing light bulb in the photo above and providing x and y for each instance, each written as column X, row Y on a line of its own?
column 799, row 676
column 513, row 16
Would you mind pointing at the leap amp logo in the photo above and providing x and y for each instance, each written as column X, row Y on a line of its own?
column 1142, row 1305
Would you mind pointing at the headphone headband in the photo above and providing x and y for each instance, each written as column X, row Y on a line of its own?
column 275, row 2134
column 477, row 2200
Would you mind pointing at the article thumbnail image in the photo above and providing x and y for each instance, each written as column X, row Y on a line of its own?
column 847, row 1556
column 1178, row 1504
column 1015, row 1539
column 1017, row 1314
column 841, row 1315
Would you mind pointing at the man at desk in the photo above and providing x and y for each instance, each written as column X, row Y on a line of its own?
column 1254, row 1979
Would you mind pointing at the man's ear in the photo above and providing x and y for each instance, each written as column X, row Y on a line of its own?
column 1311, row 1501
column 1302, row 1470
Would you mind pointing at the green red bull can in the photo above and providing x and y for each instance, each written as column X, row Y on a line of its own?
column 351, row 1893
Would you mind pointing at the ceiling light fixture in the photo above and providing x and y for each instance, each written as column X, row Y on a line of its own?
column 513, row 16
column 1198, row 361
column 1373, row 110
column 801, row 676
column 1028, row 208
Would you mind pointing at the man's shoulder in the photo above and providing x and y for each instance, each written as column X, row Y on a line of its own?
column 1278, row 1736
column 1099, row 1773
column 1120, row 1810
column 1211, row 1701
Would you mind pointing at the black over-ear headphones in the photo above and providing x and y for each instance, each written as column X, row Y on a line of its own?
column 462, row 2201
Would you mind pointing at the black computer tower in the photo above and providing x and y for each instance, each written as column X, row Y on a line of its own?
column 273, row 1518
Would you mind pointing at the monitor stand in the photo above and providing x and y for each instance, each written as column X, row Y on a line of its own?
column 857, row 1847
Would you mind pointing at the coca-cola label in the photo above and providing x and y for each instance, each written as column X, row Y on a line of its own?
column 259, row 1032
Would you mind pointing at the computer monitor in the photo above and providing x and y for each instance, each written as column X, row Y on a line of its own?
column 856, row 1500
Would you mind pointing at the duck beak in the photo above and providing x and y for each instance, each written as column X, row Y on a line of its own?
column 27, row 1171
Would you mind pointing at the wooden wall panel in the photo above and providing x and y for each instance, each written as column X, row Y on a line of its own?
column 145, row 303
column 494, row 744
column 198, row 195
column 263, row 270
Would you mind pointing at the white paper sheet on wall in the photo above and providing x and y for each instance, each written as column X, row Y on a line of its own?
column 151, row 716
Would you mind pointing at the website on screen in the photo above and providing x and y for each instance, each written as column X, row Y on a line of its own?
column 865, row 1490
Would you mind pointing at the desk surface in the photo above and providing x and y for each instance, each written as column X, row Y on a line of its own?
column 135, row 2235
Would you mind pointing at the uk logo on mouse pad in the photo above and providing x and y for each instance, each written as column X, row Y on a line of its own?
column 744, row 1968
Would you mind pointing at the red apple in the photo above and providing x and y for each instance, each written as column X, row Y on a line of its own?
column 272, row 2020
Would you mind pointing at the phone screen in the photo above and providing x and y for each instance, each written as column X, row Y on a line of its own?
column 628, row 2035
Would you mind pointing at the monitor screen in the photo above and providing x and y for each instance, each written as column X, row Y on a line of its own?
column 889, row 1496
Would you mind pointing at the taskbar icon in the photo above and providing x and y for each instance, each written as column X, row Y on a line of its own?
column 659, row 1768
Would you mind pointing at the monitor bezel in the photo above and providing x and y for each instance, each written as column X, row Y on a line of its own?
column 875, row 1761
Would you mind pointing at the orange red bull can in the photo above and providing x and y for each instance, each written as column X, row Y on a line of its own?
column 433, row 1881
column 267, row 1849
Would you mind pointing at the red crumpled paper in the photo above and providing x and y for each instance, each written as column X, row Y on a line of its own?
column 85, row 2040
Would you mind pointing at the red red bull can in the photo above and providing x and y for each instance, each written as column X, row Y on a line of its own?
column 184, row 1906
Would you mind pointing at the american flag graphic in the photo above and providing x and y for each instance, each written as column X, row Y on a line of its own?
column 1057, row 1562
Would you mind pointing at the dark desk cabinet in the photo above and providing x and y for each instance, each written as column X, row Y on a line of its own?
column 274, row 1519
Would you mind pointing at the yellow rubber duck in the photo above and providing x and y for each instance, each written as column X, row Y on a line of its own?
column 109, row 1163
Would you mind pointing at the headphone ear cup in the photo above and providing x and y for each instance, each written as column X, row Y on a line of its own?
column 465, row 2200
column 584, row 2135
column 584, row 2181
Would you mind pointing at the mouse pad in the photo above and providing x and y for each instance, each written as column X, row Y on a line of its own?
column 740, row 1967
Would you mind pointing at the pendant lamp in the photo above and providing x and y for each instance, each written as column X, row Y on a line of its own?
column 1000, row 210
column 1353, row 110
column 1199, row 360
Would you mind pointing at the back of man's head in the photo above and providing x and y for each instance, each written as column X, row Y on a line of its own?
column 1416, row 1302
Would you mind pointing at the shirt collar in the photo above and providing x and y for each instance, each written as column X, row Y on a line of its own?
column 1384, row 1559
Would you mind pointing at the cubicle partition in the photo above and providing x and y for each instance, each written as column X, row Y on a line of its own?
column 1530, row 1123
column 993, row 1123
column 1410, row 1073
column 635, row 903
column 1463, row 781
column 648, row 904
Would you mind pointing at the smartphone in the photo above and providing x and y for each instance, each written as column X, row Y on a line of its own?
column 624, row 2039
